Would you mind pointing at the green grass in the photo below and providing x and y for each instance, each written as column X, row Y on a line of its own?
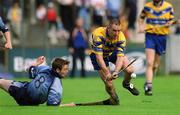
column 165, row 100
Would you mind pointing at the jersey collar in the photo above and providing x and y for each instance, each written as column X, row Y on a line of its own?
column 54, row 73
column 159, row 4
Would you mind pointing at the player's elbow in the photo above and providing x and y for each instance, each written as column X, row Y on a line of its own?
column 53, row 103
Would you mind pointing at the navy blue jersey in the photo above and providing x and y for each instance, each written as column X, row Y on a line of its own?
column 3, row 28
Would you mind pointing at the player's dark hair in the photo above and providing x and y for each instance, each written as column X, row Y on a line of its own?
column 114, row 21
column 59, row 63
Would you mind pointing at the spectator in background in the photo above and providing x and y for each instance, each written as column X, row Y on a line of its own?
column 52, row 16
column 85, row 15
column 124, row 26
column 99, row 11
column 130, row 11
column 15, row 18
column 177, row 29
column 113, row 9
column 67, row 13
column 62, row 33
column 79, row 46
column 41, row 14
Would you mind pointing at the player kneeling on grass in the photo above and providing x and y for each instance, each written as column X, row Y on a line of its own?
column 45, row 86
column 108, row 44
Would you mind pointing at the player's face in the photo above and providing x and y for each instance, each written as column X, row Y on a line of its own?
column 64, row 71
column 114, row 31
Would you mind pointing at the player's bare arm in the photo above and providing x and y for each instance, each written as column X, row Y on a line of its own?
column 118, row 66
column 141, row 25
column 38, row 62
column 103, row 66
column 8, row 44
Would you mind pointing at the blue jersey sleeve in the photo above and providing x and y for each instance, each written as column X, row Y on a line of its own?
column 55, row 93
column 3, row 28
column 34, row 70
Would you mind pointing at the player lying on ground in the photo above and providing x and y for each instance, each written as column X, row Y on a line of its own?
column 45, row 86
column 108, row 45
column 7, row 35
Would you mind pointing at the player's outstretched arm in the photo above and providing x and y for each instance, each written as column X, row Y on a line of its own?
column 103, row 102
column 38, row 61
column 68, row 105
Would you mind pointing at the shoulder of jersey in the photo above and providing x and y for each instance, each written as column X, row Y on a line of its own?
column 149, row 4
column 167, row 4
column 99, row 31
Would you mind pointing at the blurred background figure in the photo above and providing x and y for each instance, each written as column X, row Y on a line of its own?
column 130, row 12
column 67, row 13
column 15, row 18
column 79, row 46
column 62, row 34
column 41, row 14
column 99, row 11
column 113, row 9
column 52, row 16
column 52, row 19
column 84, row 13
column 124, row 26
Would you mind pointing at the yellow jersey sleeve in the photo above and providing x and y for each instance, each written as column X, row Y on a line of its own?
column 121, row 44
column 171, row 14
column 97, row 42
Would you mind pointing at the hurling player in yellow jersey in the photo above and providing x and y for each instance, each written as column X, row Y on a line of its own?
column 108, row 45
column 159, row 16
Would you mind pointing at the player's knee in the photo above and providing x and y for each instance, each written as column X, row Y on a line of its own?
column 149, row 64
column 155, row 66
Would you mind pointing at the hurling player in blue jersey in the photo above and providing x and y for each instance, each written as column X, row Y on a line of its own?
column 6, row 33
column 46, row 85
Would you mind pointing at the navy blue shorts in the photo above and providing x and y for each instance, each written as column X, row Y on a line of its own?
column 156, row 42
column 112, row 58
column 18, row 90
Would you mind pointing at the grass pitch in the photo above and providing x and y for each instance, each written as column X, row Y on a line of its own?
column 165, row 99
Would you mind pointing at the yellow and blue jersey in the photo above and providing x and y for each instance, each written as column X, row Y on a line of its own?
column 102, row 44
column 158, row 16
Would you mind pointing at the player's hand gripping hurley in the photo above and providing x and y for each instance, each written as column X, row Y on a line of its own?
column 115, row 74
